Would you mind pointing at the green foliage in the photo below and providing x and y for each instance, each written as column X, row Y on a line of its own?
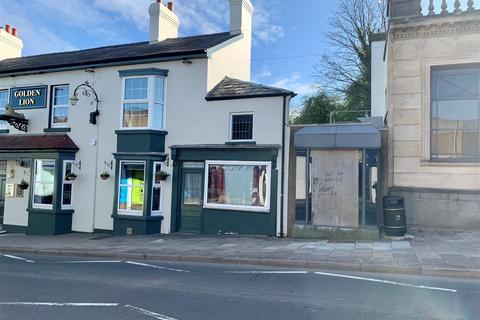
column 318, row 108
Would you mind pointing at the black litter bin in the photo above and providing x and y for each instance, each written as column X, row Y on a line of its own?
column 395, row 221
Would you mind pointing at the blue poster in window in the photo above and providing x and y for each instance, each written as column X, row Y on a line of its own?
column 28, row 97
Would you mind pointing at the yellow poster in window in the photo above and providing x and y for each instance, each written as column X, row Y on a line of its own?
column 137, row 192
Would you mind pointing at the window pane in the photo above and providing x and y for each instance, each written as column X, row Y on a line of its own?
column 136, row 88
column 455, row 144
column 3, row 103
column 158, row 170
column 156, row 199
column 60, row 115
column 132, row 180
column 67, row 194
column 159, row 93
column 241, row 185
column 242, row 127
column 68, row 168
column 44, row 182
column 192, row 188
column 455, row 114
column 457, row 86
column 60, row 96
column 157, row 116
column 135, row 115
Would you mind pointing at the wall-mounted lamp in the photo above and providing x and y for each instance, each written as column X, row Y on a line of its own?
column 87, row 91
column 78, row 164
column 108, row 164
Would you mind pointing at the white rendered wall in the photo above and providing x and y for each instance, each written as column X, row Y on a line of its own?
column 379, row 79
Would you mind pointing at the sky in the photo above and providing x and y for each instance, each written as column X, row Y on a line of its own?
column 288, row 35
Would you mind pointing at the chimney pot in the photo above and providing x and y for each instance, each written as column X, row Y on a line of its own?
column 8, row 28
column 170, row 5
column 14, row 32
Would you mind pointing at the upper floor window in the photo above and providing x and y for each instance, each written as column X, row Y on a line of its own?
column 455, row 113
column 60, row 103
column 241, row 127
column 143, row 102
column 3, row 104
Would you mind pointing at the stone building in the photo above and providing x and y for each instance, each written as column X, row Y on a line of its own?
column 433, row 111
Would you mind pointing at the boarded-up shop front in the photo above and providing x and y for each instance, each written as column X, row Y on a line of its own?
column 337, row 168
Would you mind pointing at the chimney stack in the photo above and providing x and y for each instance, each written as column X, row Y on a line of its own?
column 10, row 45
column 241, row 12
column 163, row 22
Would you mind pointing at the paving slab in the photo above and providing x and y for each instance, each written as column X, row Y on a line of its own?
column 434, row 253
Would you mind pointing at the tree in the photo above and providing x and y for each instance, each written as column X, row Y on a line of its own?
column 346, row 68
column 317, row 109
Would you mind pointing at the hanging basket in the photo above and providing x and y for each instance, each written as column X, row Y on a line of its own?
column 163, row 175
column 23, row 185
column 71, row 177
column 104, row 175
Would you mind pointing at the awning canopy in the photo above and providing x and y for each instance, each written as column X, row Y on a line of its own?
column 20, row 144
column 338, row 136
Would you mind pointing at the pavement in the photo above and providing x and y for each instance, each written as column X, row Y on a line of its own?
column 434, row 253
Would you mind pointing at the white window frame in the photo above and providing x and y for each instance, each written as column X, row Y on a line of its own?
column 266, row 208
column 130, row 212
column 40, row 205
column 150, row 100
column 4, row 125
column 59, row 125
column 231, row 126
column 65, row 181
column 158, row 185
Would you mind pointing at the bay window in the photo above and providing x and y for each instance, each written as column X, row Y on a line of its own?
column 131, row 187
column 44, row 183
column 237, row 185
column 143, row 102
column 455, row 113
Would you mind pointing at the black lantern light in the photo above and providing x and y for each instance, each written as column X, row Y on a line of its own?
column 87, row 91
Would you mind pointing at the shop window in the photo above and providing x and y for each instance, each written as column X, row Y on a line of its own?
column 157, row 189
column 238, row 185
column 3, row 104
column 455, row 114
column 44, row 183
column 241, row 127
column 131, row 187
column 67, row 185
column 60, row 105
column 143, row 102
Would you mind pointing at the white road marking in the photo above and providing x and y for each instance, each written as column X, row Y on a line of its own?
column 91, row 261
column 268, row 272
column 17, row 258
column 155, row 267
column 60, row 304
column 385, row 282
column 149, row 313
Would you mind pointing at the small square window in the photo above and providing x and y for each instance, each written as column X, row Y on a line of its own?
column 242, row 127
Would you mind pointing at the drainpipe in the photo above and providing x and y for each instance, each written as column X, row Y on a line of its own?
column 282, row 187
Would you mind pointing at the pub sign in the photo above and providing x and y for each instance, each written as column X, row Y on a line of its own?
column 28, row 97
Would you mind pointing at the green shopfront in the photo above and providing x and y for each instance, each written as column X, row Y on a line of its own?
column 225, row 189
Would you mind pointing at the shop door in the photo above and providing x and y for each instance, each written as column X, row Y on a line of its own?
column 3, row 180
column 191, row 200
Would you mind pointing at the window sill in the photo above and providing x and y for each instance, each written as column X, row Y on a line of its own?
column 430, row 163
column 240, row 142
column 57, row 130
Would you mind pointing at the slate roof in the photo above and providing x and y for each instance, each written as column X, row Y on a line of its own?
column 229, row 89
column 37, row 142
column 170, row 48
